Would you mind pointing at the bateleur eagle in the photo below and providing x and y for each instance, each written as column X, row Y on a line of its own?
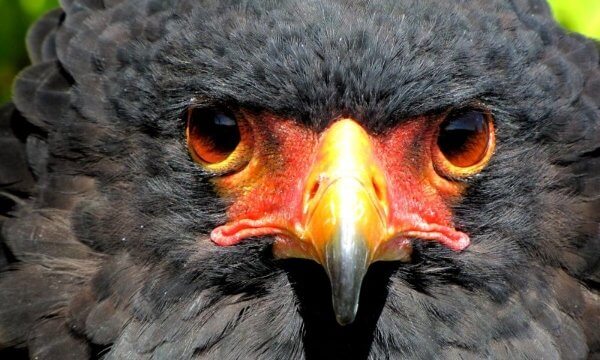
column 301, row 179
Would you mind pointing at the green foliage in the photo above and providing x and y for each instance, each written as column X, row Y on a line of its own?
column 16, row 15
column 582, row 16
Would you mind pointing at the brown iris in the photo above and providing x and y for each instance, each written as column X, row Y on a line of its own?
column 220, row 140
column 212, row 135
column 464, row 143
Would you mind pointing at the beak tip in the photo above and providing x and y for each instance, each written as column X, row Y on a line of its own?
column 345, row 300
column 345, row 308
column 345, row 303
column 345, row 319
column 345, row 311
column 346, row 265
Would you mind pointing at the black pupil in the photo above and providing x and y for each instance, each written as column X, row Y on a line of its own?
column 217, row 131
column 463, row 137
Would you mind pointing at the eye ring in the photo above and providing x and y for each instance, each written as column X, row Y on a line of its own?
column 219, row 140
column 463, row 143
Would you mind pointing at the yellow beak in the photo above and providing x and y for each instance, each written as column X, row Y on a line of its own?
column 345, row 210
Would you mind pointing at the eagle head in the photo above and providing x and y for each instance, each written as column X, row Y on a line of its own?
column 302, row 179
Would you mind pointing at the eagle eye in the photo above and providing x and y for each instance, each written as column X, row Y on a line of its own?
column 212, row 135
column 464, row 142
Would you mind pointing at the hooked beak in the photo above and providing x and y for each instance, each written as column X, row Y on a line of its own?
column 353, row 223
column 344, row 217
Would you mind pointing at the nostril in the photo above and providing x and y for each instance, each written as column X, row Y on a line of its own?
column 377, row 188
column 314, row 189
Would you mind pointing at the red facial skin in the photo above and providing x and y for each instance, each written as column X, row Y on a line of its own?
column 268, row 194
column 268, row 191
column 420, row 198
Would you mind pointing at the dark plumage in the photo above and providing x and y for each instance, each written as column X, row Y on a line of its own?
column 101, row 206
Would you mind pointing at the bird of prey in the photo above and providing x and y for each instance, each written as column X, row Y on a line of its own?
column 301, row 179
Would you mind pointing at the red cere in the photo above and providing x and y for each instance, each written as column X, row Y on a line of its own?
column 234, row 233
column 420, row 200
column 268, row 192
column 267, row 196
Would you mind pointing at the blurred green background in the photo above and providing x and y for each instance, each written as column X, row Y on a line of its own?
column 15, row 16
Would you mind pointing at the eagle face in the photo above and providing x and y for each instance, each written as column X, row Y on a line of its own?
column 302, row 179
